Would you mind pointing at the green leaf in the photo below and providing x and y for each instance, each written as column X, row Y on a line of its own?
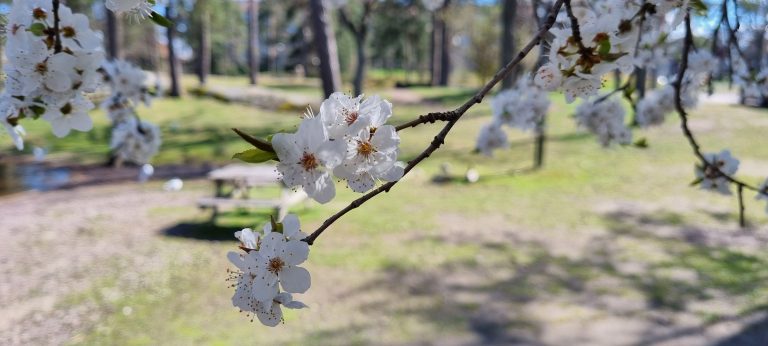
column 256, row 142
column 699, row 6
column 159, row 19
column 696, row 182
column 37, row 29
column 37, row 110
column 604, row 47
column 641, row 143
column 255, row 156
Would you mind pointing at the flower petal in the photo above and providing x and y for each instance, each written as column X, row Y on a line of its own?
column 295, row 279
column 291, row 225
column 295, row 252
column 271, row 316
column 321, row 190
column 264, row 287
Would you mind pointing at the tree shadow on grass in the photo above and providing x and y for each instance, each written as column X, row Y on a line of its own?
column 209, row 231
column 650, row 278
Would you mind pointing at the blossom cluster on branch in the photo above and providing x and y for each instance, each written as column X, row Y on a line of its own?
column 524, row 107
column 53, row 61
column 349, row 139
column 137, row 8
column 133, row 140
column 268, row 270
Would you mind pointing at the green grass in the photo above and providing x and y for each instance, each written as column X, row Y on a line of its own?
column 421, row 262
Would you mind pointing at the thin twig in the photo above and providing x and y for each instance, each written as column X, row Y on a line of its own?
column 427, row 118
column 57, row 47
column 455, row 115
column 687, row 45
column 742, row 218
column 575, row 28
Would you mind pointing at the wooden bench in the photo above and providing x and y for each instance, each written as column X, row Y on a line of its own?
column 242, row 178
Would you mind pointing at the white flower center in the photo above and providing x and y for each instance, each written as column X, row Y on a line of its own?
column 365, row 148
column 308, row 161
column 275, row 265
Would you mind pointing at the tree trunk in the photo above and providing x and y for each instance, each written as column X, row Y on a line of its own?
column 325, row 45
column 540, row 132
column 173, row 61
column 445, row 54
column 360, row 33
column 508, row 46
column 113, row 35
column 540, row 140
column 204, row 60
column 253, row 41
column 436, row 40
column 360, row 68
column 640, row 85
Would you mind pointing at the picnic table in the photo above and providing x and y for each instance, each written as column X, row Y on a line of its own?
column 234, row 185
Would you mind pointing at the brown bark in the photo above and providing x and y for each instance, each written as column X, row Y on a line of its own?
column 173, row 61
column 325, row 45
column 253, row 41
column 204, row 60
column 508, row 45
column 113, row 35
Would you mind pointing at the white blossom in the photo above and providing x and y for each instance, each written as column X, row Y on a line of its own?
column 72, row 115
column 371, row 155
column 522, row 107
column 490, row 138
column 343, row 115
column 605, row 119
column 137, row 8
column 16, row 132
column 248, row 238
column 135, row 141
column 269, row 264
column 43, row 81
column 127, row 85
column 307, row 157
column 713, row 174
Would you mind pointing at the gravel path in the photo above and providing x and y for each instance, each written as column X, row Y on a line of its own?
column 40, row 265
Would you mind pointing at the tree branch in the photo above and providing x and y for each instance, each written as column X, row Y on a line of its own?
column 57, row 48
column 454, row 115
column 575, row 28
column 348, row 23
column 687, row 45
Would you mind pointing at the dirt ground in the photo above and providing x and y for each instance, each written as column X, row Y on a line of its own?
column 59, row 243
column 54, row 244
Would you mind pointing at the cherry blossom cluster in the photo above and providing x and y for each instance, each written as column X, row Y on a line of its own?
column 605, row 118
column 522, row 107
column 349, row 139
column 136, row 8
column 713, row 175
column 601, row 39
column 53, row 60
column 754, row 83
column 127, row 83
column 268, row 270
column 133, row 140
column 654, row 107
column 716, row 174
column 490, row 138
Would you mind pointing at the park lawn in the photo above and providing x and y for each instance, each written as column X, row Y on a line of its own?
column 524, row 255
